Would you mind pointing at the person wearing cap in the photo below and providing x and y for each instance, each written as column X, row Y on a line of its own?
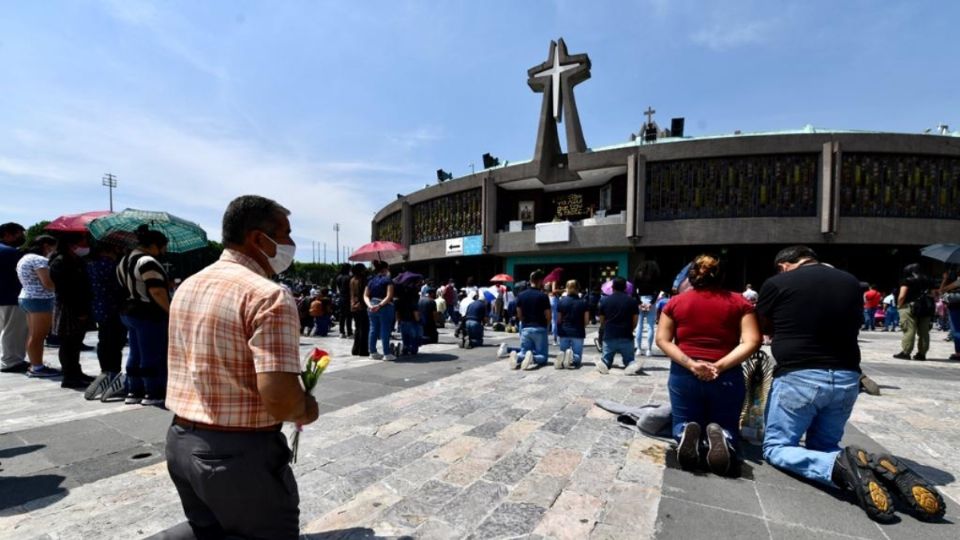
column 234, row 378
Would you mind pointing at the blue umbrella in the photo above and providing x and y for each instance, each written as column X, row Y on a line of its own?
column 948, row 253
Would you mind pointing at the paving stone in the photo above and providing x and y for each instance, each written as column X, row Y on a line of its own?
column 366, row 476
column 603, row 531
column 457, row 449
column 644, row 473
column 511, row 469
column 684, row 520
column 493, row 450
column 408, row 454
column 611, row 446
column 513, row 414
column 434, row 529
column 629, row 506
column 488, row 430
column 539, row 443
column 737, row 495
column 414, row 475
column 559, row 462
column 780, row 531
column 538, row 489
column 466, row 471
column 573, row 515
column 360, row 510
column 594, row 476
column 473, row 504
column 421, row 504
column 824, row 509
column 561, row 425
column 509, row 520
column 519, row 430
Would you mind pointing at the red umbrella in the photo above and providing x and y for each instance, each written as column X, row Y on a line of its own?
column 501, row 278
column 553, row 276
column 378, row 250
column 75, row 223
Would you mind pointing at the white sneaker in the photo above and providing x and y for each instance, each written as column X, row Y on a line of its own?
column 633, row 368
column 601, row 367
column 649, row 352
column 502, row 352
column 527, row 361
column 513, row 360
column 389, row 358
column 561, row 357
column 376, row 356
column 568, row 359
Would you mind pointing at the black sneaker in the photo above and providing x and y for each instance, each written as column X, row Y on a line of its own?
column 924, row 499
column 98, row 386
column 902, row 355
column 919, row 356
column 852, row 471
column 74, row 382
column 718, row 450
column 688, row 451
column 116, row 390
column 19, row 367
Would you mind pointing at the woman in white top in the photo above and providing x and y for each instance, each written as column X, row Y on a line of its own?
column 37, row 299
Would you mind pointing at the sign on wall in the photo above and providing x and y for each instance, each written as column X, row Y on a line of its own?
column 455, row 246
column 552, row 232
column 473, row 245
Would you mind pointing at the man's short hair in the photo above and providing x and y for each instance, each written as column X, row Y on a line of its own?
column 536, row 276
column 11, row 228
column 794, row 254
column 250, row 213
column 619, row 284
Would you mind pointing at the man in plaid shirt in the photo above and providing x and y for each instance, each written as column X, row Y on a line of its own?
column 234, row 377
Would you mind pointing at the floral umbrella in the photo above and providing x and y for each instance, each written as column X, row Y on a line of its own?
column 181, row 234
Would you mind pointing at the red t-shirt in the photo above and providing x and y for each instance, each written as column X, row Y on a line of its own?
column 707, row 322
column 872, row 299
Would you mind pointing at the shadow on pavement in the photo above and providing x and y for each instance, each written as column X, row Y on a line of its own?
column 41, row 490
column 355, row 533
column 20, row 450
column 425, row 358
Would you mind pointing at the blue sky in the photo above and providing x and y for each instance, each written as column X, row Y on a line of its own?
column 333, row 108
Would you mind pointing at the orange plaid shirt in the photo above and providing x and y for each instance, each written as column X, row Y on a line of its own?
column 228, row 323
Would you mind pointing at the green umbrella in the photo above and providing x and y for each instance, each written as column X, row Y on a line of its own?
column 182, row 235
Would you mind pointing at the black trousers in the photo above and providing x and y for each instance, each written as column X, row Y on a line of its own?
column 361, row 331
column 346, row 320
column 234, row 484
column 111, row 337
column 69, row 354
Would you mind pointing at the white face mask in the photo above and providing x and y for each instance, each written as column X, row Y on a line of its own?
column 81, row 251
column 284, row 257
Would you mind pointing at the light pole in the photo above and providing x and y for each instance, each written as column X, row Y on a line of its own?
column 110, row 182
column 336, row 227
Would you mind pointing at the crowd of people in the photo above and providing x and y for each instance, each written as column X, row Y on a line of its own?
column 229, row 340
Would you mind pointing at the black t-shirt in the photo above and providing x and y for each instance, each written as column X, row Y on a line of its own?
column 572, row 309
column 476, row 311
column 816, row 312
column 406, row 302
column 618, row 310
column 532, row 303
column 427, row 307
column 343, row 287
column 915, row 285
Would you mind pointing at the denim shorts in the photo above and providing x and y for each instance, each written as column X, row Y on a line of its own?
column 36, row 305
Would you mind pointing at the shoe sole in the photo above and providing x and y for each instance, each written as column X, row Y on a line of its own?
column 97, row 387
column 688, row 451
column 718, row 455
column 602, row 368
column 871, row 494
column 918, row 493
column 527, row 362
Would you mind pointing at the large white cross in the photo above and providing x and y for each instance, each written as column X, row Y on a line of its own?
column 554, row 73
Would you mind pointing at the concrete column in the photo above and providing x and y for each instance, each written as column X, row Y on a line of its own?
column 488, row 198
column 829, row 207
column 406, row 223
column 636, row 194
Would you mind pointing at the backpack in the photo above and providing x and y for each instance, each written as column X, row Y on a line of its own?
column 924, row 306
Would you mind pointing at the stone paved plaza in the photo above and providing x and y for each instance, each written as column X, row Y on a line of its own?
column 453, row 444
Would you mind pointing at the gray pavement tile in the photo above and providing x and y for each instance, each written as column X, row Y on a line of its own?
column 90, row 470
column 509, row 520
column 685, row 520
column 422, row 504
column 80, row 440
column 780, row 531
column 511, row 468
column 148, row 424
column 561, row 425
column 830, row 510
column 407, row 454
column 472, row 505
column 737, row 495
column 488, row 430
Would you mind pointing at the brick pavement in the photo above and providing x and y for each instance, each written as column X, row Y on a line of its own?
column 440, row 450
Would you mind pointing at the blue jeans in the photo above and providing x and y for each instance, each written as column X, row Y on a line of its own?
column 411, row 335
column 815, row 402
column 534, row 339
column 321, row 325
column 954, row 312
column 573, row 343
column 475, row 332
column 611, row 347
column 381, row 323
column 704, row 402
column 869, row 318
column 648, row 319
column 891, row 319
column 147, row 362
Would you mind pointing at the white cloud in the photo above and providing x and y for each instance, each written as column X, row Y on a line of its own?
column 731, row 33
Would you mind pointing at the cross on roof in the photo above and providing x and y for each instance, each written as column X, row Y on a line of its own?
column 649, row 113
column 561, row 72
column 554, row 73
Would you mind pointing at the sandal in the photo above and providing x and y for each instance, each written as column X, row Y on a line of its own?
column 917, row 492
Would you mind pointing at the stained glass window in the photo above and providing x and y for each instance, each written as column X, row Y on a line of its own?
column 743, row 186
column 895, row 185
column 390, row 228
column 458, row 214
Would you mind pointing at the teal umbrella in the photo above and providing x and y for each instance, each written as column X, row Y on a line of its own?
column 182, row 235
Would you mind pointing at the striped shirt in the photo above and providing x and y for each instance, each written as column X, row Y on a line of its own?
column 228, row 323
column 138, row 278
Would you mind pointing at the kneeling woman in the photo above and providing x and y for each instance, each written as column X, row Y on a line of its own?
column 707, row 332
